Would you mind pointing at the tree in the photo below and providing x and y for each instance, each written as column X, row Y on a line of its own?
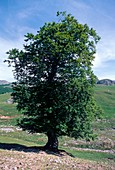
column 54, row 87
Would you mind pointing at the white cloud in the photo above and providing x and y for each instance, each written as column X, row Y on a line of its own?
column 6, row 73
column 105, row 59
column 6, row 45
column 105, row 52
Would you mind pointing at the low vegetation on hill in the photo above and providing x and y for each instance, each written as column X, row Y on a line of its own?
column 5, row 88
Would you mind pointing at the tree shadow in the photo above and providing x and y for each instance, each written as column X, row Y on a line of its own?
column 35, row 149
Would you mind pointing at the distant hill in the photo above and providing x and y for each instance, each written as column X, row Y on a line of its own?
column 5, row 88
column 107, row 82
column 2, row 82
column 103, row 82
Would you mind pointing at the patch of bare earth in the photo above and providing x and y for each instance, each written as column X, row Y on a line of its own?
column 14, row 160
column 5, row 117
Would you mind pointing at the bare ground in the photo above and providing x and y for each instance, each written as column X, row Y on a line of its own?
column 16, row 160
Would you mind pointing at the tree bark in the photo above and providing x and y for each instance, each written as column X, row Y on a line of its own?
column 52, row 143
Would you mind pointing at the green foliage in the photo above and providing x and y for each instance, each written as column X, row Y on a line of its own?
column 54, row 87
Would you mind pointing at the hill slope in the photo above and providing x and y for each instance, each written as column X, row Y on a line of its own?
column 16, row 146
column 5, row 88
column 46, row 161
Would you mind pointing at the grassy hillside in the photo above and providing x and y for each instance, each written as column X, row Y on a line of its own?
column 98, row 152
column 105, row 97
column 8, row 112
column 5, row 88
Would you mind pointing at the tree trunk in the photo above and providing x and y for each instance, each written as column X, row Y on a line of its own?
column 52, row 143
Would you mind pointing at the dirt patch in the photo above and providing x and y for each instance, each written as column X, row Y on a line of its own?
column 14, row 160
column 94, row 150
column 6, row 117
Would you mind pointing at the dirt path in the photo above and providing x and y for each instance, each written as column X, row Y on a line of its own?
column 94, row 150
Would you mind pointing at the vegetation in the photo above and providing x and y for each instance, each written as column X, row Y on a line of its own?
column 5, row 89
column 54, row 87
column 87, row 155
column 105, row 97
column 8, row 111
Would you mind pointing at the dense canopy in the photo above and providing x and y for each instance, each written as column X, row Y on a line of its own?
column 54, row 87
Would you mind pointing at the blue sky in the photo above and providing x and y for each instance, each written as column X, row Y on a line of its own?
column 17, row 17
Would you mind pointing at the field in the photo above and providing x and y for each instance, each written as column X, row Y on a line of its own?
column 21, row 150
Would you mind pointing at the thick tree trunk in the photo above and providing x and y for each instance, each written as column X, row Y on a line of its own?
column 52, row 143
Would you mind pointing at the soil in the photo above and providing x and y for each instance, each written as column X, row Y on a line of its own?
column 5, row 117
column 20, row 160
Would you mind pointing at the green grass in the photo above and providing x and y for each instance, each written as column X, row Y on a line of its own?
column 90, row 155
column 17, row 136
column 8, row 110
column 105, row 97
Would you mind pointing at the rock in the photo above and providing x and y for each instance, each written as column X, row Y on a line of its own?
column 2, row 82
column 107, row 82
column 10, row 101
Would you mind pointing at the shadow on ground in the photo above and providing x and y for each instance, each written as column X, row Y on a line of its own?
column 35, row 149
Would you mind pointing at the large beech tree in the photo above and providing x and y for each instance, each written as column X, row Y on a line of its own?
column 54, row 80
